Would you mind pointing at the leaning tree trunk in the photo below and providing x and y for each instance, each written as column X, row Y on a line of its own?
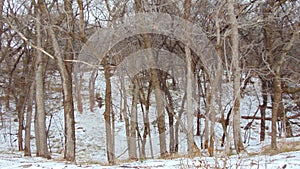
column 65, row 70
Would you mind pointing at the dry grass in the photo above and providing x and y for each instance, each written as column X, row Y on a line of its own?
column 282, row 146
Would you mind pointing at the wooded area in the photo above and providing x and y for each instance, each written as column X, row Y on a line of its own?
column 45, row 68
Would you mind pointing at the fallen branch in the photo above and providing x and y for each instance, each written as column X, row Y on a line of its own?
column 269, row 118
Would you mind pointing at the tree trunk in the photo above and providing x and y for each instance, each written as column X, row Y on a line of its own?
column 27, row 149
column 107, row 116
column 198, row 132
column 1, row 28
column 78, row 87
column 180, row 112
column 171, row 113
column 133, row 122
column 160, row 112
column 65, row 70
column 159, row 100
column 40, row 114
column 263, row 107
column 145, row 101
column 147, row 117
column 124, row 110
column 236, row 79
column 20, row 108
column 23, row 96
column 92, row 89
column 190, row 113
column 189, row 88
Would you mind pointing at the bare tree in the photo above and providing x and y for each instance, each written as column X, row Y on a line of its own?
column 236, row 78
column 40, row 114
column 189, row 89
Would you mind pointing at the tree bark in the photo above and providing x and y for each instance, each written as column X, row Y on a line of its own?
column 27, row 149
column 236, row 79
column 107, row 115
column 189, row 88
column 171, row 113
column 133, row 122
column 92, row 89
column 124, row 110
column 78, row 87
column 263, row 108
column 1, row 28
column 20, row 108
column 65, row 70
column 40, row 114
column 180, row 112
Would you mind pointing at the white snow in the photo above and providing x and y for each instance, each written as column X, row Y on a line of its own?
column 91, row 150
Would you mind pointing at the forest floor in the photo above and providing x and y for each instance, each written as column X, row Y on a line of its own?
column 91, row 155
column 91, row 151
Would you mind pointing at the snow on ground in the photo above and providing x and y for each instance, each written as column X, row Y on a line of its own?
column 91, row 150
column 283, row 160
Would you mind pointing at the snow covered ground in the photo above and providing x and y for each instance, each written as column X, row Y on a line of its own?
column 91, row 151
column 282, row 160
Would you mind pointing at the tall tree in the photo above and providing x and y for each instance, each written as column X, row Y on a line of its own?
column 236, row 78
column 189, row 89
column 40, row 114
column 65, row 70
